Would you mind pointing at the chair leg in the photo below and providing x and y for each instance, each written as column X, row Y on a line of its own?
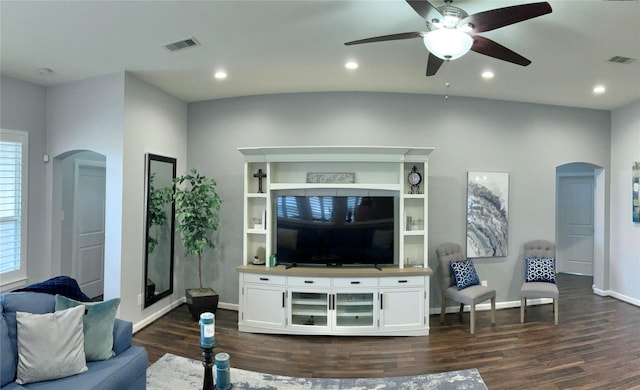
column 555, row 310
column 472, row 320
column 461, row 311
column 442, row 310
column 523, row 303
column 493, row 311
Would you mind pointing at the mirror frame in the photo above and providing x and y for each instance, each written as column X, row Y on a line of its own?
column 149, row 300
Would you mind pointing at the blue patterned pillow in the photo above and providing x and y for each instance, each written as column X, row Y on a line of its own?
column 465, row 274
column 540, row 269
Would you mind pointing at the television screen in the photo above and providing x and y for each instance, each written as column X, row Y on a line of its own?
column 335, row 230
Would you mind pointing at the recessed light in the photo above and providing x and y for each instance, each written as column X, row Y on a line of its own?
column 220, row 75
column 487, row 74
column 599, row 89
column 351, row 65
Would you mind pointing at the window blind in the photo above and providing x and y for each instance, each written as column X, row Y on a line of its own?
column 12, row 181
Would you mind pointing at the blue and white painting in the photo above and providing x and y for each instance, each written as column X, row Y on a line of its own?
column 487, row 214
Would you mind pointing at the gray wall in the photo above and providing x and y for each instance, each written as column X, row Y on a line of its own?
column 528, row 141
column 625, row 235
column 122, row 118
column 23, row 107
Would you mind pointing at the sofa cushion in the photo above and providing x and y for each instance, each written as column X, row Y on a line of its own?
column 28, row 302
column 464, row 273
column 126, row 371
column 540, row 269
column 50, row 346
column 8, row 361
column 97, row 325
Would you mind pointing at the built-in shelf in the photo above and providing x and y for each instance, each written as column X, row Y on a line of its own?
column 276, row 302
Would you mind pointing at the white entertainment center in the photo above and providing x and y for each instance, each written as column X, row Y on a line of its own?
column 348, row 300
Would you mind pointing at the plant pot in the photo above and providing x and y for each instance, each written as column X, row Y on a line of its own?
column 200, row 300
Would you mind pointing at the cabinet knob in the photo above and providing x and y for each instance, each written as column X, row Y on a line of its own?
column 402, row 281
column 265, row 279
column 308, row 281
column 355, row 282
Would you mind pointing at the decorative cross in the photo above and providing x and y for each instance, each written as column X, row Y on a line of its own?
column 260, row 175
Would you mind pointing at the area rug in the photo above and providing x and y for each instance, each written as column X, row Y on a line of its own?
column 172, row 372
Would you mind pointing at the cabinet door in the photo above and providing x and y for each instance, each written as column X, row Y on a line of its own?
column 309, row 309
column 402, row 308
column 263, row 306
column 354, row 310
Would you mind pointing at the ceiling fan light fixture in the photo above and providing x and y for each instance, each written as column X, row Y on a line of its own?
column 448, row 43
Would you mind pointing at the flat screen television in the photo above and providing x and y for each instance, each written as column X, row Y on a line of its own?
column 335, row 230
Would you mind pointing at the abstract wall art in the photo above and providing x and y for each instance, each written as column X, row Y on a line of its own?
column 487, row 214
column 635, row 191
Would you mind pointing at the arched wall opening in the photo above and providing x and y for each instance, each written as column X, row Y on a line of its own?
column 78, row 228
column 581, row 222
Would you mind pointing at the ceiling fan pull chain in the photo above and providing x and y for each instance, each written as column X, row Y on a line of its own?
column 447, row 84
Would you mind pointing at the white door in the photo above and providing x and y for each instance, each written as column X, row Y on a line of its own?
column 88, row 227
column 575, row 225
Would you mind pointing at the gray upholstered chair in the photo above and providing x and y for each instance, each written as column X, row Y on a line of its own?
column 539, row 289
column 471, row 295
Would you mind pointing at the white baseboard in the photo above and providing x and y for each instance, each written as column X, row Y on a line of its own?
column 147, row 321
column 616, row 295
column 142, row 324
column 229, row 306
column 602, row 293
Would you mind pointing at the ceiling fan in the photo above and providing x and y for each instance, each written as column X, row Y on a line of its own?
column 451, row 32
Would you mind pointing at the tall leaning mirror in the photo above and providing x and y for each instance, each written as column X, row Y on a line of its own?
column 159, row 222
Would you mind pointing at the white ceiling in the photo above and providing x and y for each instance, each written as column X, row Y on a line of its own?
column 271, row 47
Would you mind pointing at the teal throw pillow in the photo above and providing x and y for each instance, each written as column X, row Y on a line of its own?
column 464, row 273
column 98, row 324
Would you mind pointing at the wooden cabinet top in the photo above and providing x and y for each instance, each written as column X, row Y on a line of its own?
column 334, row 272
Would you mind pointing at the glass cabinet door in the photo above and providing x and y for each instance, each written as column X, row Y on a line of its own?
column 309, row 309
column 354, row 309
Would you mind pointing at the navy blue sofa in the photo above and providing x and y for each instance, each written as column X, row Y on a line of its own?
column 126, row 370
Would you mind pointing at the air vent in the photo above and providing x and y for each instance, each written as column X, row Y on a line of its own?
column 183, row 44
column 621, row 60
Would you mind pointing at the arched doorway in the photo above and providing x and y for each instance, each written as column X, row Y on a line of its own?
column 580, row 220
column 79, row 201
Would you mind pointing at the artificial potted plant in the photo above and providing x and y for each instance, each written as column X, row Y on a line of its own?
column 197, row 215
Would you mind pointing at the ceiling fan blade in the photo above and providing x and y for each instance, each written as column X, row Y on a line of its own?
column 500, row 17
column 427, row 11
column 433, row 64
column 493, row 49
column 392, row 37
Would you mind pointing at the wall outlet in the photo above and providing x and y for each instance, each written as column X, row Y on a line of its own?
column 484, row 283
column 139, row 299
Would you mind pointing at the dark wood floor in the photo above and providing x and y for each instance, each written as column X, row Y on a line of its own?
column 595, row 346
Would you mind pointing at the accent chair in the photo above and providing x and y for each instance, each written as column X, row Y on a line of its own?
column 471, row 292
column 540, row 275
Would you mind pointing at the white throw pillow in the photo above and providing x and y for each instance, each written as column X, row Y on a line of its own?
column 50, row 346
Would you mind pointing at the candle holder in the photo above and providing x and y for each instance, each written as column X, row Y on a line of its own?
column 207, row 343
column 207, row 354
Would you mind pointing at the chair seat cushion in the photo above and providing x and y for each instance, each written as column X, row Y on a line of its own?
column 470, row 295
column 539, row 290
